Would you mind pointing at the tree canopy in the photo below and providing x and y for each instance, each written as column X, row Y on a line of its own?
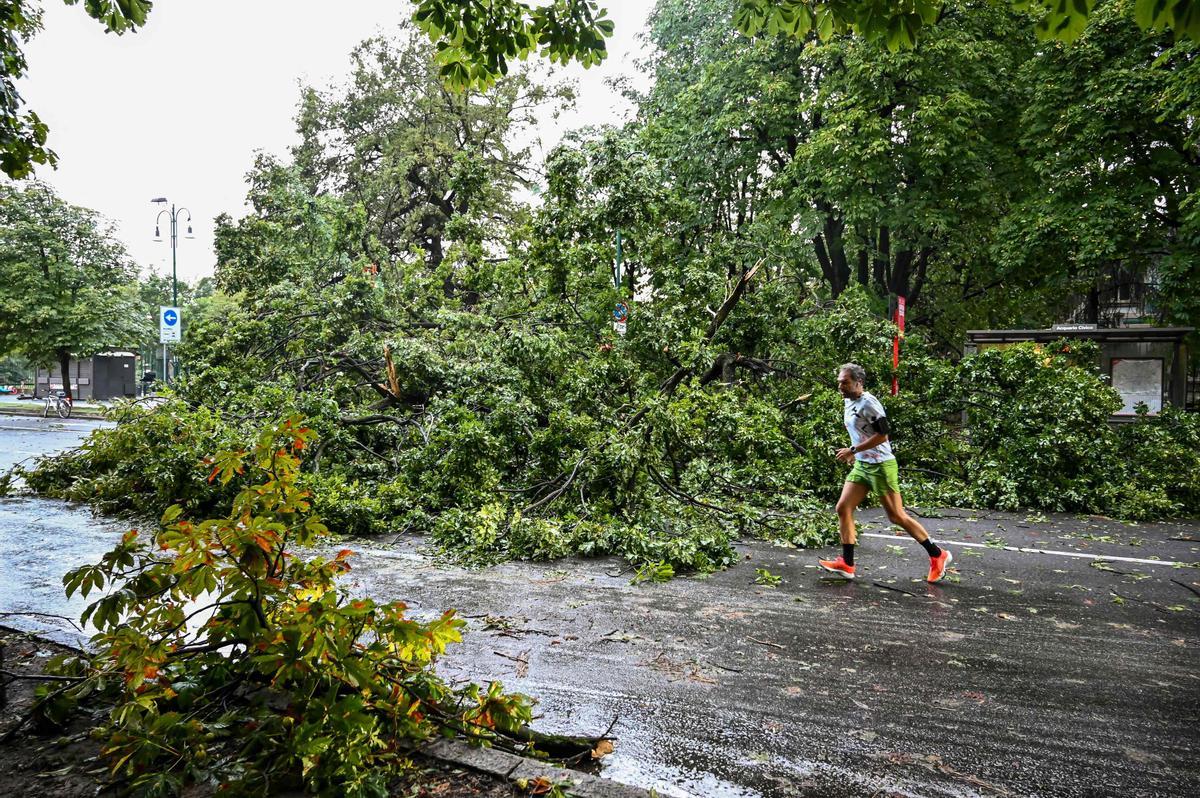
column 476, row 40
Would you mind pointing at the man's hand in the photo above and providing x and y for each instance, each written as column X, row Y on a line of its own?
column 845, row 456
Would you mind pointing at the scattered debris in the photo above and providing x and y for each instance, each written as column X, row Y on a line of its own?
column 933, row 762
column 764, row 642
column 766, row 578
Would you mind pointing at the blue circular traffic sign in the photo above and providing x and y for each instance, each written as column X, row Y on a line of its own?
column 170, row 317
column 621, row 312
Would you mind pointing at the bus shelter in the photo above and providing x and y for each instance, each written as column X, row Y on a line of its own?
column 1144, row 364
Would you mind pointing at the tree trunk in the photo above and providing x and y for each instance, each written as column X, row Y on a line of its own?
column 900, row 272
column 837, row 253
column 823, row 259
column 919, row 282
column 1092, row 308
column 64, row 365
column 883, row 258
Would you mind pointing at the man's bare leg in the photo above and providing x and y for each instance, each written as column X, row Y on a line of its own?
column 893, row 504
column 852, row 495
column 938, row 558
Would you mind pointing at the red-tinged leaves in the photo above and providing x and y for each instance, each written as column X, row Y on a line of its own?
column 274, row 616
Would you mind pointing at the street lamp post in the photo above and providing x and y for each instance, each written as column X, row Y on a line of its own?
column 173, row 216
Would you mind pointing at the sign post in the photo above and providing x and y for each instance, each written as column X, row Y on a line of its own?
column 621, row 310
column 168, row 332
column 896, row 343
column 620, row 317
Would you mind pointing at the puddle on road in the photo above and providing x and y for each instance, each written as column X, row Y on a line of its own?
column 40, row 540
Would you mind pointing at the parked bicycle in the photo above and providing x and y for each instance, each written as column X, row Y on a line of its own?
column 59, row 402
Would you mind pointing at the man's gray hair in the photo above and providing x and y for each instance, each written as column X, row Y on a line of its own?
column 856, row 372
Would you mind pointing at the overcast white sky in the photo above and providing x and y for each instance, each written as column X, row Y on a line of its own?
column 178, row 109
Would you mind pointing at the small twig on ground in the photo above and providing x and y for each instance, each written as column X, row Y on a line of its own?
column 882, row 586
column 1153, row 604
column 1186, row 586
column 34, row 677
column 719, row 666
column 764, row 642
column 42, row 615
column 608, row 731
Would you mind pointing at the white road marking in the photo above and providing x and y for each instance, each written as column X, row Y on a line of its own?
column 1025, row 550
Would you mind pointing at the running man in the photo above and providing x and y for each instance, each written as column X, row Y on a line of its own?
column 874, row 471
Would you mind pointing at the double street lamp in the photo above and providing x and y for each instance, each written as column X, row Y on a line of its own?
column 173, row 215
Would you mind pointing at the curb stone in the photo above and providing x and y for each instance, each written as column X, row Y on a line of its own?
column 513, row 767
column 78, row 412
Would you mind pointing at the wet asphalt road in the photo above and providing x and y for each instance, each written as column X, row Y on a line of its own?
column 1029, row 674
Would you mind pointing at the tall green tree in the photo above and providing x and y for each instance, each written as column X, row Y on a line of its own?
column 853, row 163
column 431, row 169
column 1117, row 164
column 67, row 287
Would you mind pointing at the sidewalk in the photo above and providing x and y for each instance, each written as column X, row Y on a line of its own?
column 11, row 406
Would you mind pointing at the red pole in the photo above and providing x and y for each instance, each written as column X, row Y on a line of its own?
column 896, row 343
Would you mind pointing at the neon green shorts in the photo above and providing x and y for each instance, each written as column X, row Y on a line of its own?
column 879, row 477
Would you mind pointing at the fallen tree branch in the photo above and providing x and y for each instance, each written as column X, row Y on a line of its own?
column 554, row 494
column 42, row 615
column 376, row 418
column 668, row 386
column 679, row 495
column 32, row 713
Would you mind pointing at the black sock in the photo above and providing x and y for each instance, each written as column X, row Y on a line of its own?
column 848, row 553
column 931, row 547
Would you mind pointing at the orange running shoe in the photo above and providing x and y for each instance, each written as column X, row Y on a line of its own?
column 937, row 566
column 838, row 567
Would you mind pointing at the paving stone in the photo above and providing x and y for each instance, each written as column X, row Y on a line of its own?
column 485, row 760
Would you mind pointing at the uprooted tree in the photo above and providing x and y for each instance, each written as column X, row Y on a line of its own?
column 455, row 349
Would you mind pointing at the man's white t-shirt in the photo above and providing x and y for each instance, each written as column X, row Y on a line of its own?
column 860, row 417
